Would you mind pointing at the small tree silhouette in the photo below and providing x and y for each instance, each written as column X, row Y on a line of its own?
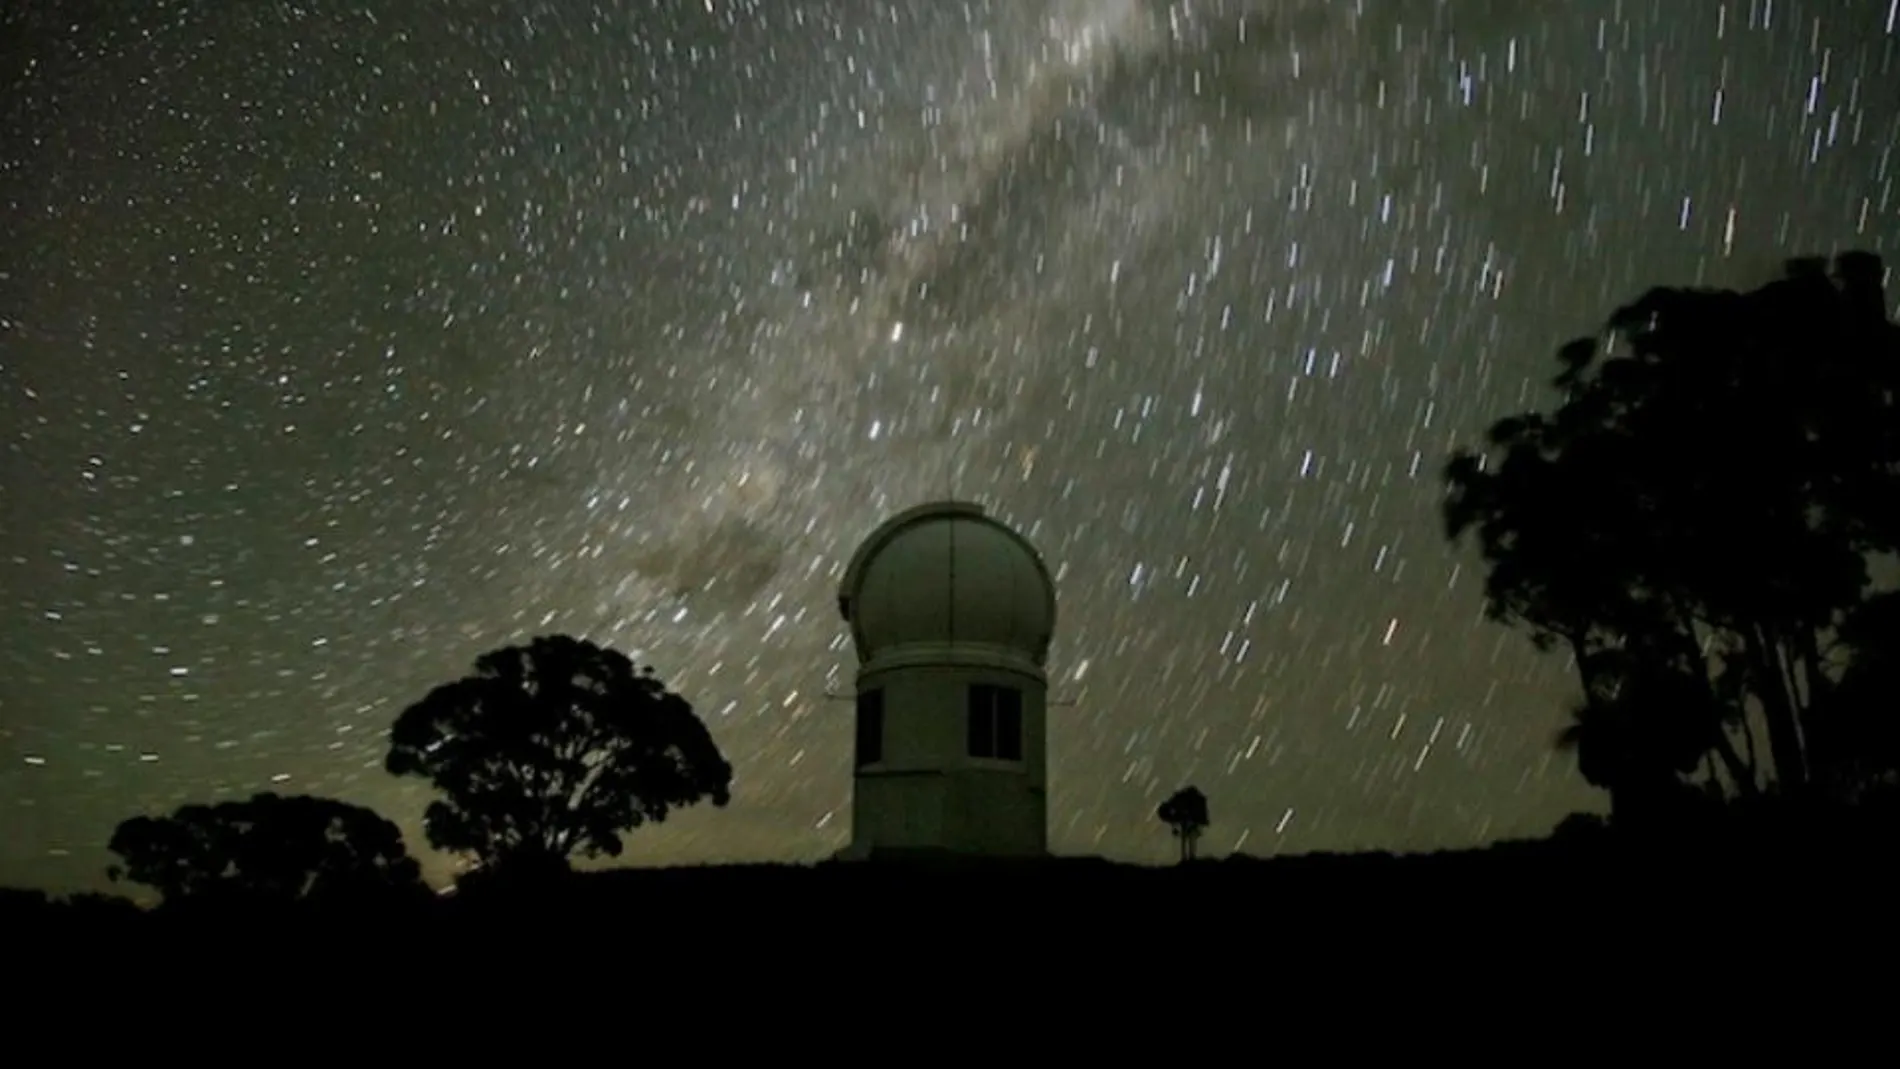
column 1185, row 814
column 553, row 750
column 269, row 849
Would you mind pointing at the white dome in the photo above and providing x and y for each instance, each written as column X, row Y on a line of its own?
column 946, row 574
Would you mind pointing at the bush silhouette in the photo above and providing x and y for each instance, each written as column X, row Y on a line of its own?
column 1693, row 525
column 269, row 849
column 553, row 750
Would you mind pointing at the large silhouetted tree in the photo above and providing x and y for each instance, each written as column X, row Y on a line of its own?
column 1185, row 814
column 1693, row 525
column 268, row 849
column 553, row 750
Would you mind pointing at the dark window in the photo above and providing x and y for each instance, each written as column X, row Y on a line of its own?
column 870, row 727
column 996, row 722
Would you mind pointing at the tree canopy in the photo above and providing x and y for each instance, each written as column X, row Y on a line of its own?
column 269, row 848
column 553, row 750
column 1696, row 524
column 1185, row 814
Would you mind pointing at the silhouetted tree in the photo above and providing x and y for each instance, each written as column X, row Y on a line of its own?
column 1185, row 814
column 92, row 905
column 1580, row 827
column 268, row 849
column 18, row 901
column 1646, row 725
column 1693, row 523
column 553, row 750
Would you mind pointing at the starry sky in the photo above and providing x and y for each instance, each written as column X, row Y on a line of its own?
column 343, row 342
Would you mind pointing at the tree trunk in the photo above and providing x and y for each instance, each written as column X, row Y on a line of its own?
column 1778, row 709
column 1742, row 772
column 1816, row 689
column 1579, row 655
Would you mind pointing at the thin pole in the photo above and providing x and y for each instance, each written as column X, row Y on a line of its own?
column 950, row 592
column 950, row 478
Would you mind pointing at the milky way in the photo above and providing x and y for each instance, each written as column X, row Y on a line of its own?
column 342, row 343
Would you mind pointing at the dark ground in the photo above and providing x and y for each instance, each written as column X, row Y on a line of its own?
column 1581, row 884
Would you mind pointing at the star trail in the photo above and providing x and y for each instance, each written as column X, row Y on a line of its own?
column 343, row 342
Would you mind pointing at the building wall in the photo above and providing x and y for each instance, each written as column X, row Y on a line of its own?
column 927, row 791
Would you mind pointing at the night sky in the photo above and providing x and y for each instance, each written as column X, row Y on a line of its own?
column 341, row 343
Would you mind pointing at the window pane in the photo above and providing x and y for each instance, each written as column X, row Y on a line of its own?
column 981, row 742
column 870, row 727
column 1009, row 728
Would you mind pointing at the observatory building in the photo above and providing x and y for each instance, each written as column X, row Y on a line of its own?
column 951, row 613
